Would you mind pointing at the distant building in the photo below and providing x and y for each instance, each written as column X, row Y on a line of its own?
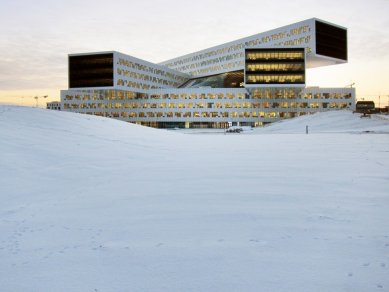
column 249, row 82
column 54, row 105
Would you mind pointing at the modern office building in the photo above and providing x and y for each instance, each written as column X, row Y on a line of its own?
column 251, row 81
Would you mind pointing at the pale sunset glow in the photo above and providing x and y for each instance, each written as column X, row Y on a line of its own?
column 38, row 36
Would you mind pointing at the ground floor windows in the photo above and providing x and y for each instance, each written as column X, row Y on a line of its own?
column 257, row 105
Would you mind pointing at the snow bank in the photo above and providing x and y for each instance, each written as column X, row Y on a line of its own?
column 329, row 122
column 93, row 204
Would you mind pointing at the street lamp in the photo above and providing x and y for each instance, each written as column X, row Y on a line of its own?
column 37, row 97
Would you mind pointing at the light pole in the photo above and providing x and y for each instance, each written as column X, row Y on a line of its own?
column 37, row 97
column 387, row 110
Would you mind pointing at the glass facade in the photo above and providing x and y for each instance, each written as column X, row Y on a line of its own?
column 275, row 66
column 201, row 108
column 233, row 79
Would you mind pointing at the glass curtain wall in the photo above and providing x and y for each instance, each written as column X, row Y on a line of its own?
column 275, row 66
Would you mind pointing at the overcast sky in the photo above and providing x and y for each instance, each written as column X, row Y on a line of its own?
column 37, row 36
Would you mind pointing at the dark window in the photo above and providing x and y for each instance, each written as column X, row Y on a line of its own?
column 331, row 41
column 233, row 79
column 91, row 71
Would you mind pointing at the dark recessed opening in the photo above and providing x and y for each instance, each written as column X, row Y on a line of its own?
column 91, row 71
column 331, row 41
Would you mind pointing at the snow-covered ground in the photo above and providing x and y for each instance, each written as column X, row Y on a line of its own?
column 330, row 122
column 94, row 204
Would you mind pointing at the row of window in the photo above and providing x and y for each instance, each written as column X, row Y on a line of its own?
column 298, row 42
column 133, row 84
column 163, row 105
column 295, row 31
column 121, row 95
column 266, row 105
column 275, row 67
column 295, row 78
column 148, row 69
column 300, row 30
column 274, row 55
column 296, row 93
column 255, row 94
column 222, row 115
column 147, row 78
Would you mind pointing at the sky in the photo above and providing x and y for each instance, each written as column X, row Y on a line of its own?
column 37, row 36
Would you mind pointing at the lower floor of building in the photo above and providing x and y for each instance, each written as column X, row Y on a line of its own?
column 207, row 107
column 197, row 125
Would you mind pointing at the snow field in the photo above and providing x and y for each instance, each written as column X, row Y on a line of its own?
column 94, row 204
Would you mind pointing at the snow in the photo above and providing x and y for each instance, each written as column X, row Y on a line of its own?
column 94, row 204
column 329, row 122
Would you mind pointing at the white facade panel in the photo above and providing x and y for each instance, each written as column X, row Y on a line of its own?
column 131, row 73
column 230, row 56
